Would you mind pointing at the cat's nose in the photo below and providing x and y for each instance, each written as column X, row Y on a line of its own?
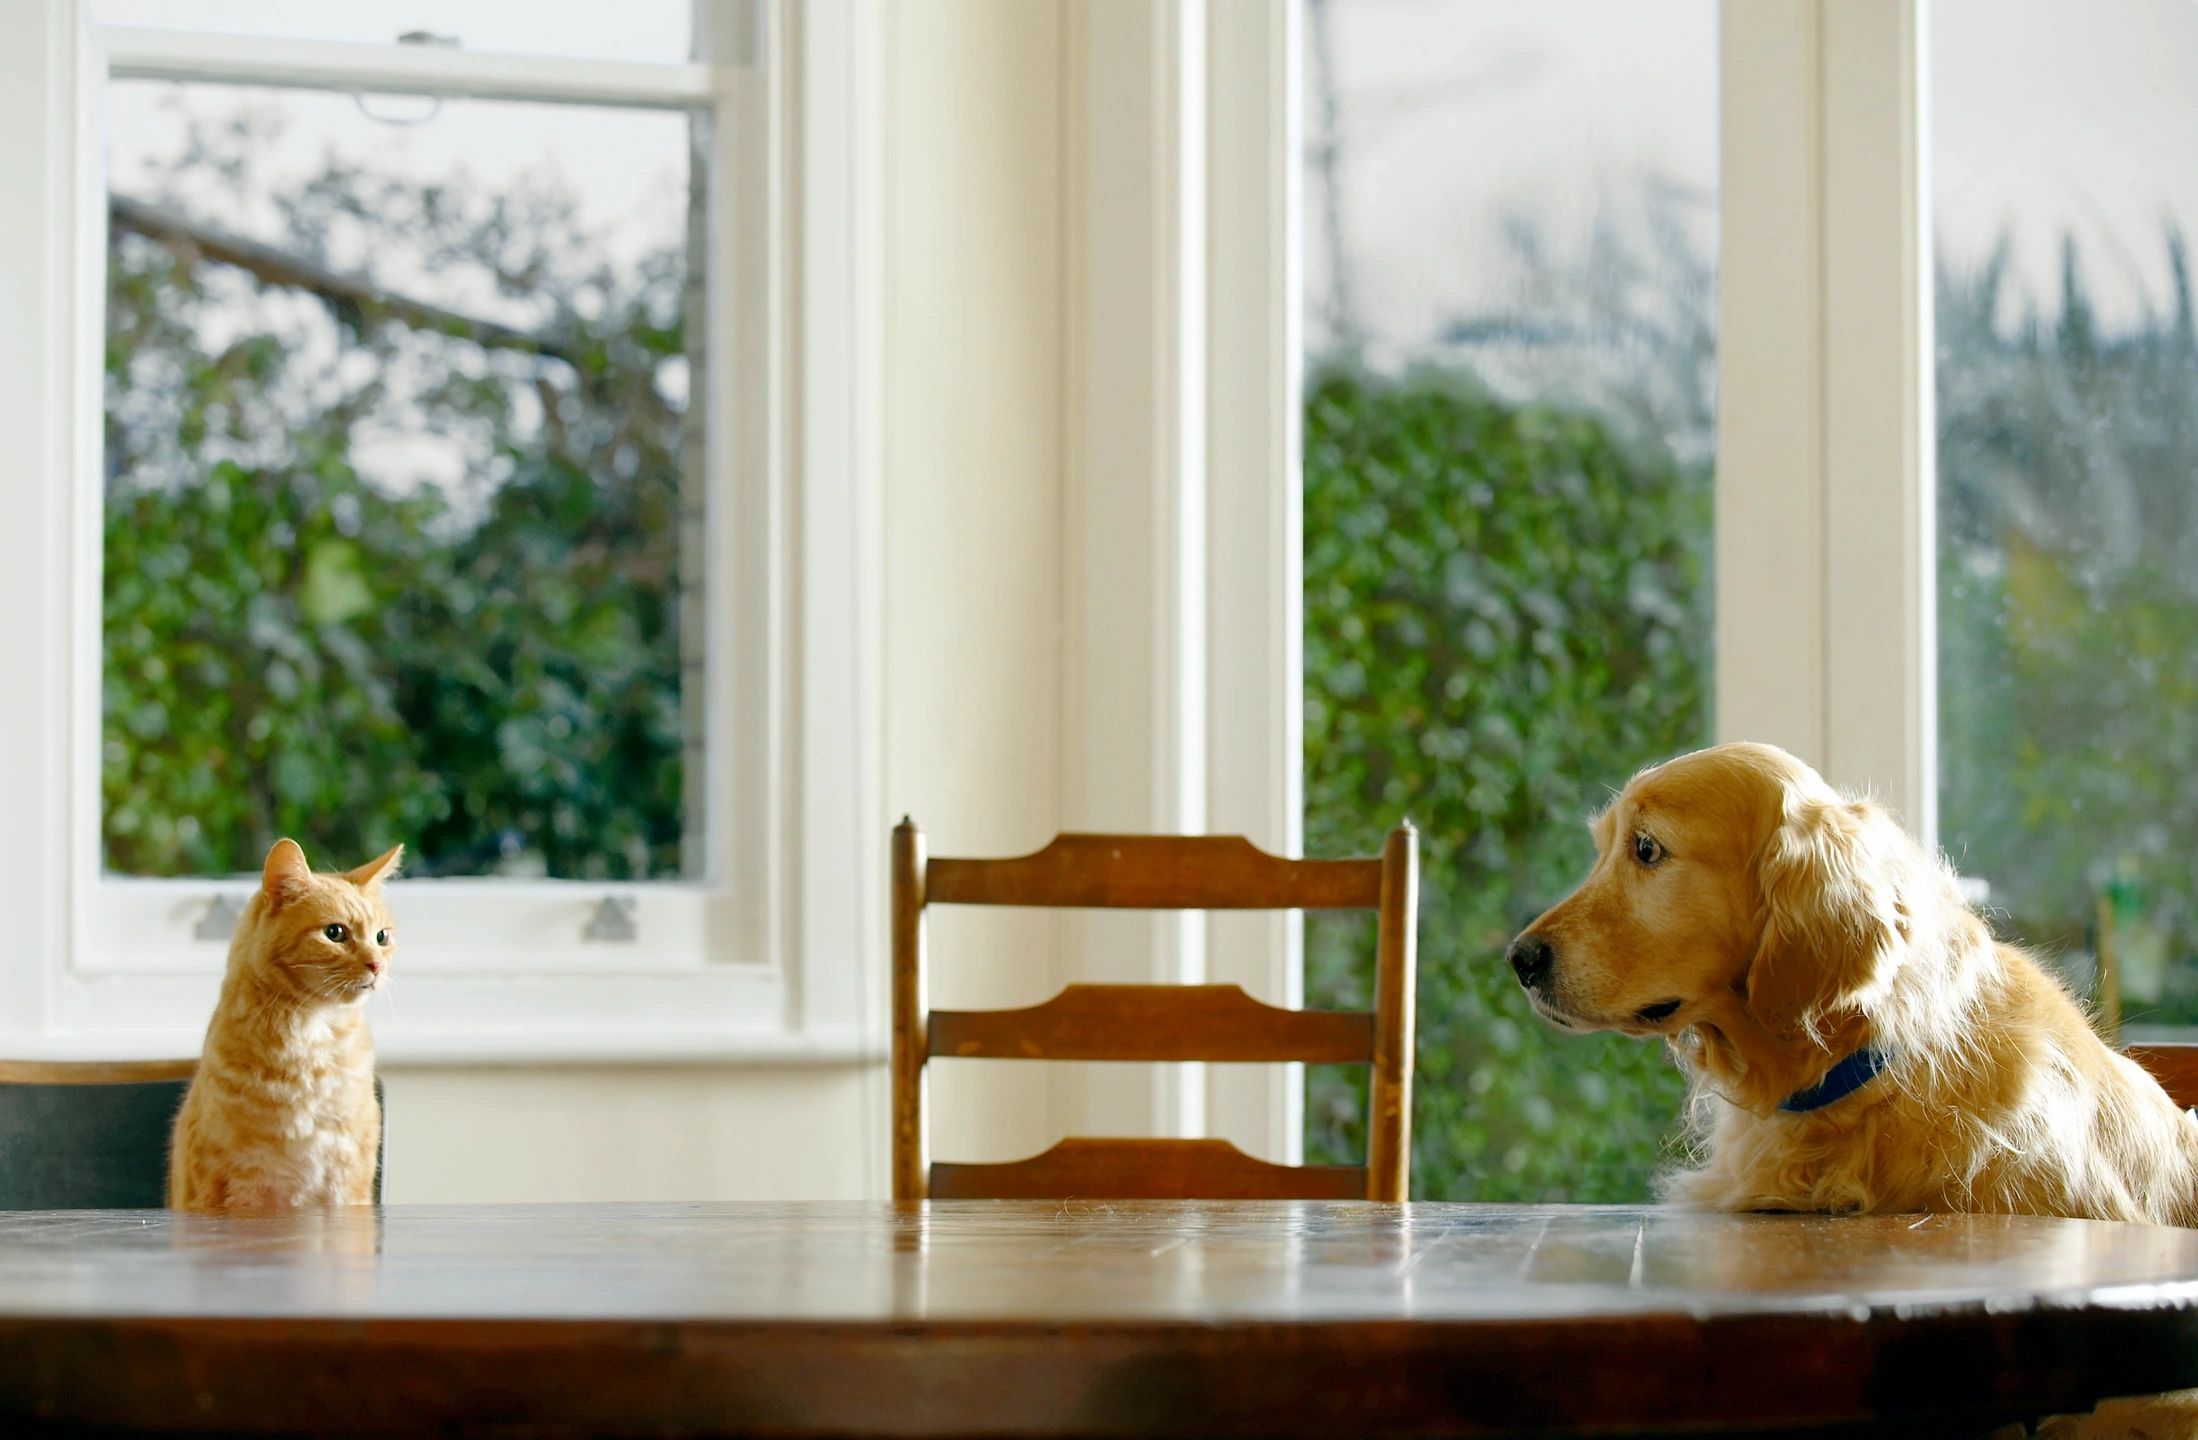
column 373, row 967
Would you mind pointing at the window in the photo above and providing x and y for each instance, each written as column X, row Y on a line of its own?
column 1510, row 225
column 2068, row 522
column 434, row 425
column 402, row 484
column 655, row 31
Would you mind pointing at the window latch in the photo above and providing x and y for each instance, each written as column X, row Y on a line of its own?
column 612, row 921
column 219, row 922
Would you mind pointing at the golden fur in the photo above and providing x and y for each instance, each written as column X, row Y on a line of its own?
column 1793, row 926
column 281, row 1113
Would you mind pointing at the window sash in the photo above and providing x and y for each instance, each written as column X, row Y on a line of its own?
column 1826, row 636
column 1823, row 569
column 132, row 53
column 763, row 957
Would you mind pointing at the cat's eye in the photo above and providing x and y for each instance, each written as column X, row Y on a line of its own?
column 1647, row 850
column 381, row 937
column 337, row 933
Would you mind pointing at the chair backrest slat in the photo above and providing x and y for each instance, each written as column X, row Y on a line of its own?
column 1163, row 1023
column 93, row 1072
column 2175, row 1066
column 1134, row 1169
column 1156, row 1023
column 1156, row 872
column 93, row 1134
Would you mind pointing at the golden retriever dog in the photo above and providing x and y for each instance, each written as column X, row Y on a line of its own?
column 1855, row 1037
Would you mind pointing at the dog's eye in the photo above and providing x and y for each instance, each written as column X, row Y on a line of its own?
column 1647, row 850
column 337, row 933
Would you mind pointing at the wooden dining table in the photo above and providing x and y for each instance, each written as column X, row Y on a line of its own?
column 1048, row 1319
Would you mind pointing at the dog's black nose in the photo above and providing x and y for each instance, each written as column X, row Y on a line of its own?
column 1531, row 958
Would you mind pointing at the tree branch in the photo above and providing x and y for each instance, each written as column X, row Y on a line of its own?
column 353, row 298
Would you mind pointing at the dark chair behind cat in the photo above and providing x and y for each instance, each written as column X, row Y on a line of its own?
column 93, row 1135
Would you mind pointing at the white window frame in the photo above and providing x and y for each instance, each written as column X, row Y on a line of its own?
column 1183, row 571
column 1827, row 628
column 766, row 955
column 1185, row 669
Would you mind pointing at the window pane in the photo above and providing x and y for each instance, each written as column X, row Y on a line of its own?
column 651, row 30
column 398, row 467
column 1510, row 220
column 2068, row 442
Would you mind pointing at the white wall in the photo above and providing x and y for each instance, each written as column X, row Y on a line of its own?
column 596, row 1133
column 972, row 473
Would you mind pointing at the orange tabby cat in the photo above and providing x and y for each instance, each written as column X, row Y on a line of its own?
column 282, row 1112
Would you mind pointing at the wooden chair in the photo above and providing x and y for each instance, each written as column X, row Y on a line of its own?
column 1157, row 1022
column 2174, row 1065
column 93, row 1135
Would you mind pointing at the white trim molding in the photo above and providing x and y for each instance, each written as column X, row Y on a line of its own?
column 1184, row 685
column 769, row 952
column 1826, row 631
column 1255, row 582
column 1134, row 676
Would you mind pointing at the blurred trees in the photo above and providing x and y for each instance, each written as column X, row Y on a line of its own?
column 1507, row 606
column 2068, row 603
column 485, row 665
column 1507, row 612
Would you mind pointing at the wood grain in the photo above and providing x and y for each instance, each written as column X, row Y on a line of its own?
column 93, row 1072
column 911, row 1150
column 1108, row 1168
column 1155, row 1023
column 1157, row 872
column 1053, row 1321
column 2175, row 1066
column 1396, row 982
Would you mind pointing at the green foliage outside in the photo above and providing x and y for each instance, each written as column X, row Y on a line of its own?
column 1506, row 613
column 487, row 670
column 2068, row 598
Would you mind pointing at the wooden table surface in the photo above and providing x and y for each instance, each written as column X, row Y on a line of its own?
column 1041, row 1319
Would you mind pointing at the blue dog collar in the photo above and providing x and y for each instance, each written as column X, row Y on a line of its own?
column 1844, row 1079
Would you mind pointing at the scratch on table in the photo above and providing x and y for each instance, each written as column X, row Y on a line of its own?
column 1923, row 1221
column 1421, row 1252
column 1534, row 1248
column 1640, row 1256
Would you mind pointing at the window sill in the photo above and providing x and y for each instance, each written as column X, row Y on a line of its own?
column 605, row 1046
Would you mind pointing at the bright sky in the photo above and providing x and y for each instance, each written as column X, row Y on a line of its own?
column 1457, row 115
column 2048, row 116
column 627, row 169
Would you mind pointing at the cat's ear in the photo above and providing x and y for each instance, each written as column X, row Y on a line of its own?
column 370, row 875
column 286, row 876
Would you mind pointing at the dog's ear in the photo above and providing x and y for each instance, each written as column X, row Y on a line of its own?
column 1832, row 931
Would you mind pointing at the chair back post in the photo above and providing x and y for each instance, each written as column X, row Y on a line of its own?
column 911, row 1042
column 1396, row 961
column 2174, row 1064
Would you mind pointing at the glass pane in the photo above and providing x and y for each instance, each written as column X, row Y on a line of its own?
column 1510, row 227
column 649, row 30
column 2068, row 516
column 398, row 467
